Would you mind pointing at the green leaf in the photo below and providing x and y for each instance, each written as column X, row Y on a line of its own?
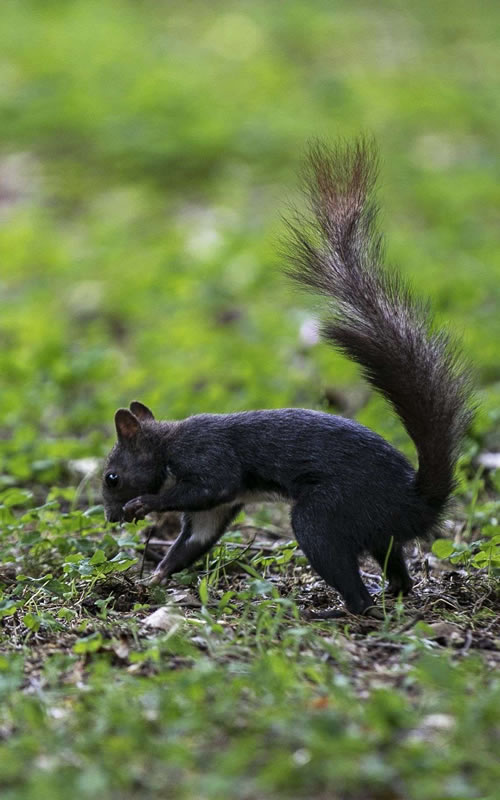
column 250, row 570
column 7, row 608
column 99, row 557
column 74, row 558
column 89, row 644
column 94, row 511
column 32, row 621
column 224, row 601
column 443, row 548
column 120, row 563
column 203, row 591
column 15, row 497
column 66, row 613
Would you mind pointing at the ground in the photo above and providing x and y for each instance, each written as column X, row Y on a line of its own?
column 220, row 684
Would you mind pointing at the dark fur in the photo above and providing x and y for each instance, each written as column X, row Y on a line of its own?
column 351, row 492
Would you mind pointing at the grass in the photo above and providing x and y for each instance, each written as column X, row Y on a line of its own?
column 147, row 152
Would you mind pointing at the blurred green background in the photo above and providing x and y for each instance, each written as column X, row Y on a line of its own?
column 147, row 153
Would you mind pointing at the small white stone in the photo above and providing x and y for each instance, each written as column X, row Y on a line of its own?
column 163, row 619
column 84, row 466
column 301, row 757
column 309, row 332
column 489, row 460
column 440, row 722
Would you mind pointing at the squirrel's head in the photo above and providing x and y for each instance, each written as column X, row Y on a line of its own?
column 135, row 465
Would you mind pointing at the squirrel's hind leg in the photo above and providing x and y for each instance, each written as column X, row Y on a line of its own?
column 395, row 566
column 329, row 549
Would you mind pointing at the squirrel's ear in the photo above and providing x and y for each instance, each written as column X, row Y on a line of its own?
column 127, row 425
column 141, row 411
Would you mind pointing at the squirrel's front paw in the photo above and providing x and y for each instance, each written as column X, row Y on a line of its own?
column 135, row 509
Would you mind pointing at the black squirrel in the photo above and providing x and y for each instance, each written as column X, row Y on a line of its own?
column 350, row 491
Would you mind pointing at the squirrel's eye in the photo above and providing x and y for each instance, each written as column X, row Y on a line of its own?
column 112, row 480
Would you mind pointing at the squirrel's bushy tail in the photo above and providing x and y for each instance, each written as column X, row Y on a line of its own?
column 375, row 320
